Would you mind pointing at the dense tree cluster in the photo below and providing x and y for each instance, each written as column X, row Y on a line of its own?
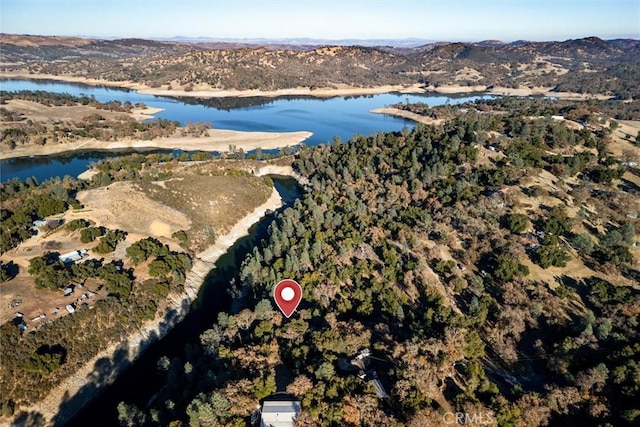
column 25, row 202
column 35, row 361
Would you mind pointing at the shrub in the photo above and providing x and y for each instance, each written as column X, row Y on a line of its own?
column 77, row 224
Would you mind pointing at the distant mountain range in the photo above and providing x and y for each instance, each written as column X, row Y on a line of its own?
column 587, row 65
column 313, row 42
column 302, row 41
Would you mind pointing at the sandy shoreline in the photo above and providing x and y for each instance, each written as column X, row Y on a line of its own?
column 177, row 308
column 208, row 92
column 217, row 140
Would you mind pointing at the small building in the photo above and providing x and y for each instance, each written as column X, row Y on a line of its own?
column 68, row 291
column 73, row 256
column 39, row 317
column 362, row 362
column 37, row 224
column 70, row 308
column 279, row 413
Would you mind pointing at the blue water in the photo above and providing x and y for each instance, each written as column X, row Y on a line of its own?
column 326, row 118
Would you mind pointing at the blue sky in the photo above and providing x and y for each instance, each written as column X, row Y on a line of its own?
column 452, row 20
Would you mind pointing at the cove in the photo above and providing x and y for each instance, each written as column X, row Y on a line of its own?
column 327, row 118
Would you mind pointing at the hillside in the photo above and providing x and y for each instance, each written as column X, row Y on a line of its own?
column 489, row 263
column 589, row 65
column 144, row 227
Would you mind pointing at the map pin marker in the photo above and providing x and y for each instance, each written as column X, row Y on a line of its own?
column 288, row 294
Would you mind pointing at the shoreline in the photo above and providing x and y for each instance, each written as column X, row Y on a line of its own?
column 217, row 140
column 208, row 92
column 149, row 333
column 396, row 112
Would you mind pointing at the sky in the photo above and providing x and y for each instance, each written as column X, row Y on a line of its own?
column 435, row 20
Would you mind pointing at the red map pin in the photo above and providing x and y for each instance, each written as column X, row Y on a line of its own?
column 288, row 294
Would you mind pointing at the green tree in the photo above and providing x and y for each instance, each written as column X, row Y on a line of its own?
column 550, row 253
column 517, row 223
column 91, row 233
column 583, row 243
column 557, row 223
column 507, row 268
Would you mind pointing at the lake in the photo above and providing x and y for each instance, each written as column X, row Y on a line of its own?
column 325, row 117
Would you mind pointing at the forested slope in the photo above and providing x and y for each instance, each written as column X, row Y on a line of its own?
column 498, row 282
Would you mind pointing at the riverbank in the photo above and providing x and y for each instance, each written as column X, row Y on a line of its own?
column 76, row 391
column 215, row 140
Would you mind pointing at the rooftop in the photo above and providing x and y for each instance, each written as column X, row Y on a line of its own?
column 279, row 413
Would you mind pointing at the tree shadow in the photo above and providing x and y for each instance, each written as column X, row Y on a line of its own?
column 629, row 186
column 105, row 370
column 30, row 419
column 11, row 269
column 79, row 408
column 284, row 377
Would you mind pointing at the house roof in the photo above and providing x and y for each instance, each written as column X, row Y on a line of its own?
column 279, row 413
